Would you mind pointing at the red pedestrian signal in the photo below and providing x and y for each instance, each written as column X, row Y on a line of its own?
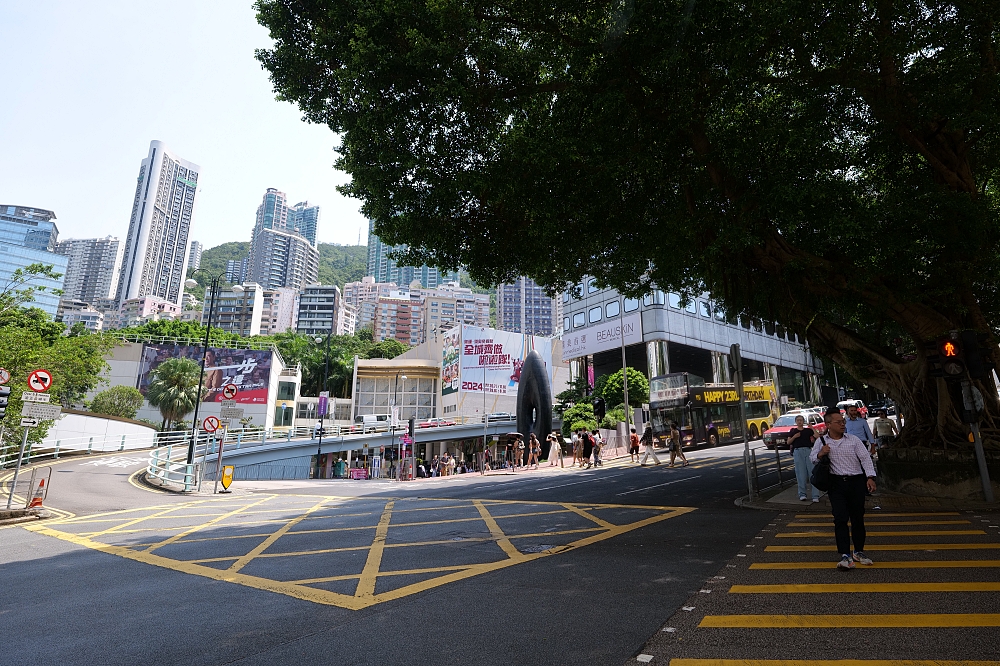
column 951, row 357
column 948, row 349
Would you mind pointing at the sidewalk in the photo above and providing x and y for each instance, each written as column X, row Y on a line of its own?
column 788, row 500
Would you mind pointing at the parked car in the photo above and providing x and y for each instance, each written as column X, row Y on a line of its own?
column 844, row 404
column 777, row 435
column 435, row 422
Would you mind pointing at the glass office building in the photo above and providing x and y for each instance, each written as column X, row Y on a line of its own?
column 28, row 236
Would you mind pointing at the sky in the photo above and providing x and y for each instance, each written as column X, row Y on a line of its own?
column 85, row 86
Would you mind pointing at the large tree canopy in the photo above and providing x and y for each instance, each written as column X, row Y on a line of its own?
column 826, row 164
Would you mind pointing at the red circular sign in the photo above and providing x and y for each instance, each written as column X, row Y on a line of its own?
column 229, row 391
column 210, row 424
column 40, row 380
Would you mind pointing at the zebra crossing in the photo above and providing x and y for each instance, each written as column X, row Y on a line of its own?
column 932, row 596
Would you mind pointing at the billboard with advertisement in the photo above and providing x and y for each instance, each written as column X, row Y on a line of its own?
column 450, row 373
column 248, row 369
column 490, row 360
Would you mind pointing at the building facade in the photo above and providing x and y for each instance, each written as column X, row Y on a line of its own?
column 385, row 269
column 450, row 305
column 93, row 320
column 524, row 307
column 156, row 248
column 238, row 310
column 194, row 258
column 236, row 270
column 363, row 295
column 137, row 311
column 279, row 311
column 319, row 308
column 665, row 335
column 399, row 316
column 281, row 259
column 93, row 268
column 29, row 236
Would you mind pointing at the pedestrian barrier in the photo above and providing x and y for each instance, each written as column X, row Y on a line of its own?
column 761, row 468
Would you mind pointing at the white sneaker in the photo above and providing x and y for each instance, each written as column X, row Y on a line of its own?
column 802, row 498
column 861, row 558
column 846, row 563
column 815, row 499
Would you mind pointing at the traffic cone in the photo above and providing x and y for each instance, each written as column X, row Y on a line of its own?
column 36, row 501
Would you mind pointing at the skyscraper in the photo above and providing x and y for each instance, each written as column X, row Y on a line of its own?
column 272, row 213
column 28, row 236
column 385, row 269
column 156, row 248
column 194, row 258
column 304, row 218
column 94, row 267
column 524, row 307
column 280, row 256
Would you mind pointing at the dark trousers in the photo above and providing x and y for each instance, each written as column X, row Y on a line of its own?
column 847, row 498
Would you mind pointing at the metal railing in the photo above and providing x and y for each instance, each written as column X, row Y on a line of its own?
column 163, row 468
column 763, row 472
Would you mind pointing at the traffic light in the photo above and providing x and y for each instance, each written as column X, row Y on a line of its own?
column 948, row 359
column 600, row 409
column 412, row 427
column 4, row 398
column 977, row 354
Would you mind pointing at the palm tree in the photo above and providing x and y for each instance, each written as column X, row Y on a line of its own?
column 174, row 389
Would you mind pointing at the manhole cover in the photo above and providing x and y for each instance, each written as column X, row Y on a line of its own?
column 536, row 549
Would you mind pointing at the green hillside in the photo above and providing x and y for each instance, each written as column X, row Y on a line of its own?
column 338, row 264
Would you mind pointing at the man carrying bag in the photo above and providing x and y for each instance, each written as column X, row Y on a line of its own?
column 851, row 474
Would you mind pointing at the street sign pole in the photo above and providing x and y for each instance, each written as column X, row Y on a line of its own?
column 736, row 359
column 218, row 462
column 17, row 470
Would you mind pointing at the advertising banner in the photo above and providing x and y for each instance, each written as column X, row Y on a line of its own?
column 602, row 337
column 450, row 373
column 248, row 369
column 491, row 360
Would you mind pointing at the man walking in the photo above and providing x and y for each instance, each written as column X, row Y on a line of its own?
column 633, row 447
column 885, row 429
column 852, row 473
column 858, row 427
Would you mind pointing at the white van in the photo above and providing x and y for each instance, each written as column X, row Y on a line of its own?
column 372, row 422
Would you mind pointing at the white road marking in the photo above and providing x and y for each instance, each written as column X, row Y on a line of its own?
column 576, row 483
column 639, row 490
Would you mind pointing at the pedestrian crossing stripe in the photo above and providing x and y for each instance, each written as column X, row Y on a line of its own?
column 834, row 588
column 903, row 564
column 801, row 535
column 827, row 662
column 850, row 621
column 884, row 546
column 882, row 515
column 895, row 523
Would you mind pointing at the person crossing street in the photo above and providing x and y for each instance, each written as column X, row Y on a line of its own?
column 852, row 473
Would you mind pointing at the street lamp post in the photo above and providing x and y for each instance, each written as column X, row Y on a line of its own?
column 621, row 331
column 216, row 281
column 326, row 383
column 392, row 426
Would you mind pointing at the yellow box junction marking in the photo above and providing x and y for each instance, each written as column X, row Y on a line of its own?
column 577, row 521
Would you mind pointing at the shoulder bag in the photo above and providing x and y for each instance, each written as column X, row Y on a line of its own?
column 821, row 476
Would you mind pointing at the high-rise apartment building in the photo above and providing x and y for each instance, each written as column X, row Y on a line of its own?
column 304, row 219
column 280, row 256
column 319, row 308
column 237, row 310
column 280, row 310
column 194, row 258
column 93, row 268
column 29, row 236
column 450, row 305
column 363, row 295
column 385, row 269
column 399, row 316
column 524, row 307
column 156, row 248
column 236, row 270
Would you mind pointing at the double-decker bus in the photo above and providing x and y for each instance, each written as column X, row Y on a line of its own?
column 708, row 413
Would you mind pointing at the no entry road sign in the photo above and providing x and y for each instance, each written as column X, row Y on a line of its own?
column 229, row 391
column 210, row 424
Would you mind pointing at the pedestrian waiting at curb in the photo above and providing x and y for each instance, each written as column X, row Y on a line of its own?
column 800, row 441
column 555, row 448
column 851, row 475
column 647, row 442
column 598, row 445
column 633, row 447
column 588, row 448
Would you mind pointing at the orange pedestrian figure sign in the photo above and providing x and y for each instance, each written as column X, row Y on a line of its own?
column 227, row 476
column 949, row 349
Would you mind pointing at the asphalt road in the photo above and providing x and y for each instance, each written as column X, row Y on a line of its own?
column 568, row 567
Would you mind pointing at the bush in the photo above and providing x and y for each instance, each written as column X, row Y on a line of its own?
column 613, row 390
column 578, row 416
column 121, row 401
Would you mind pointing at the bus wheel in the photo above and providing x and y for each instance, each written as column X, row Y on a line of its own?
column 754, row 433
column 713, row 439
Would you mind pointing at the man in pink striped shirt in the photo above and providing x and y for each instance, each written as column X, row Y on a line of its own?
column 852, row 473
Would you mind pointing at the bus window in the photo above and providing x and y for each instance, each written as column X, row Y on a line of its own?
column 733, row 412
column 758, row 409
